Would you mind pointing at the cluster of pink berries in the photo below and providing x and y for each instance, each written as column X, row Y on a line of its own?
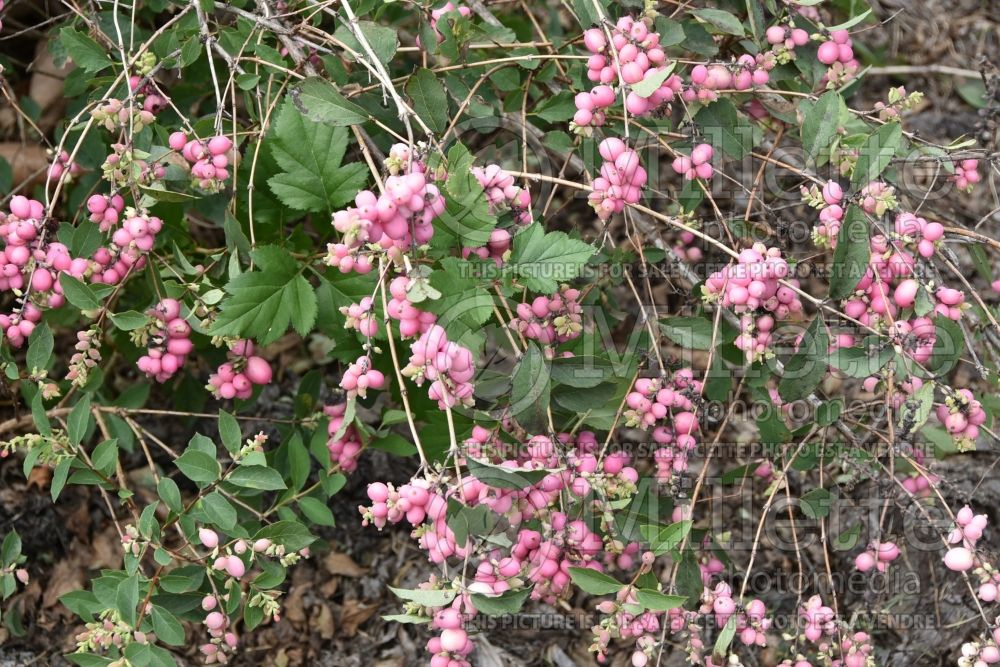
column 30, row 267
column 344, row 451
column 878, row 197
column 152, row 101
column 450, row 648
column 551, row 319
column 236, row 378
column 400, row 217
column 223, row 640
column 962, row 415
column 361, row 316
column 540, row 556
column 877, row 556
column 412, row 320
column 966, row 174
column 115, row 114
column 209, row 159
column 981, row 653
column 501, row 192
column 129, row 245
column 838, row 54
column 786, row 36
column 496, row 248
column 169, row 337
column 448, row 367
column 685, row 249
column 669, row 406
column 968, row 529
column 635, row 54
column 751, row 287
column 62, row 165
column 751, row 623
column 697, row 165
column 360, row 377
column 818, row 619
column 621, row 181
column 105, row 210
column 626, row 621
column 831, row 212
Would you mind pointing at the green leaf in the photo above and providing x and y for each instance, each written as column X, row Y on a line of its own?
column 321, row 102
column 819, row 126
column 545, row 259
column 290, row 534
column 594, row 582
column 85, row 52
column 39, row 348
column 850, row 259
column 257, row 477
column 127, row 598
column 727, row 129
column 807, row 366
column 382, row 39
column 651, row 83
column 230, row 432
column 198, row 466
column 464, row 305
column 503, row 477
column 170, row 494
column 130, row 320
column 429, row 100
column 876, row 154
column 467, row 215
column 105, row 456
column 262, row 303
column 662, row 540
column 658, row 601
column 949, row 343
column 166, row 626
column 530, row 389
column 916, row 410
column 316, row 511
column 722, row 20
column 688, row 332
column 310, row 155
column 829, row 411
column 725, row 638
column 509, row 602
column 11, row 548
column 78, row 294
column 864, row 361
column 59, row 477
column 79, row 420
column 468, row 522
column 425, row 598
column 816, row 503
column 219, row 510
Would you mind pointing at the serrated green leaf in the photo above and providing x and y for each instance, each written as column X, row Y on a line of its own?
column 85, row 52
column 429, row 99
column 544, row 259
column 321, row 102
column 263, row 303
column 310, row 155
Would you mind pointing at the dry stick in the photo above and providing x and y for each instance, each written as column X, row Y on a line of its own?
column 403, row 392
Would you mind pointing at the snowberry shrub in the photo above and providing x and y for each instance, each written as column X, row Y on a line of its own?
column 593, row 338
